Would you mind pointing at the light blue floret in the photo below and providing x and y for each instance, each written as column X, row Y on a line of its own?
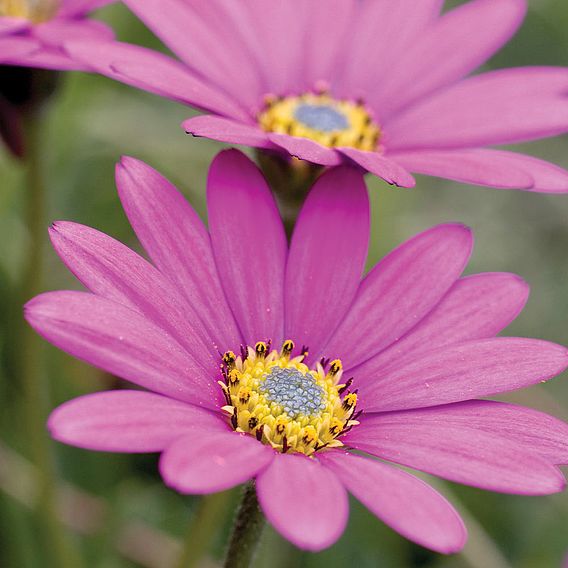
column 298, row 394
column 321, row 117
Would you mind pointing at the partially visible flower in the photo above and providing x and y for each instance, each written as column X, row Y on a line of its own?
column 382, row 83
column 32, row 31
column 218, row 328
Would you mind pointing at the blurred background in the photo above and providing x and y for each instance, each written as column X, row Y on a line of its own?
column 115, row 509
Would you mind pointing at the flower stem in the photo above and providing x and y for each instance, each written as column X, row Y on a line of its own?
column 30, row 351
column 290, row 181
column 247, row 529
column 203, row 528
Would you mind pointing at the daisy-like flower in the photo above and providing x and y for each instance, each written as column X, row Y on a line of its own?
column 32, row 31
column 218, row 329
column 382, row 83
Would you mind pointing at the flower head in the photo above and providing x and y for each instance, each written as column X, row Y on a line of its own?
column 343, row 81
column 32, row 31
column 271, row 362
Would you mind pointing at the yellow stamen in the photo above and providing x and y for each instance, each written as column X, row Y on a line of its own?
column 34, row 10
column 321, row 118
column 282, row 402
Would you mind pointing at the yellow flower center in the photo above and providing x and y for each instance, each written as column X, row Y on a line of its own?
column 323, row 119
column 282, row 402
column 34, row 10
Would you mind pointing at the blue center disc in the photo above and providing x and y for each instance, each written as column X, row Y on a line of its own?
column 321, row 117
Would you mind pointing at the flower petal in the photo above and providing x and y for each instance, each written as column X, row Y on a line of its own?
column 480, row 167
column 459, row 42
column 75, row 8
column 413, row 279
column 304, row 501
column 496, row 168
column 306, row 149
column 176, row 240
column 456, row 452
column 535, row 431
column 227, row 130
column 475, row 307
column 381, row 166
column 153, row 72
column 499, row 107
column 402, row 501
column 12, row 25
column 15, row 49
column 128, row 421
column 249, row 245
column 122, row 342
column 328, row 252
column 55, row 32
column 207, row 462
column 111, row 270
column 208, row 40
column 464, row 371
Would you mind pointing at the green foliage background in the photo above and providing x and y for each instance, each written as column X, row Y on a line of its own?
column 92, row 122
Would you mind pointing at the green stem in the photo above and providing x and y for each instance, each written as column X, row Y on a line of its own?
column 31, row 352
column 203, row 529
column 290, row 181
column 247, row 530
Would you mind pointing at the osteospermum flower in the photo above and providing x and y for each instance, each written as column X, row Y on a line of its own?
column 272, row 362
column 382, row 83
column 32, row 31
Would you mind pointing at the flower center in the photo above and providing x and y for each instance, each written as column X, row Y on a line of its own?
column 34, row 10
column 320, row 117
column 275, row 397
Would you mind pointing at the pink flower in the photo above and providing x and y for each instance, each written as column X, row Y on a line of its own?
column 383, row 84
column 397, row 365
column 32, row 31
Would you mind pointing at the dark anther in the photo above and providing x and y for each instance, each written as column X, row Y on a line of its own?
column 345, row 386
column 287, row 347
column 305, row 350
column 253, row 422
column 229, row 359
column 324, row 362
column 259, row 432
column 244, row 352
column 235, row 420
column 285, row 445
column 261, row 349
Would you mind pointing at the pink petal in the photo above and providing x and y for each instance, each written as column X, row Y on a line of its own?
column 154, row 72
column 249, row 245
column 12, row 25
column 227, row 130
column 402, row 501
column 500, row 107
column 207, row 462
column 464, row 371
column 383, row 167
column 304, row 501
column 120, row 341
column 535, row 431
column 56, row 32
column 456, row 452
column 45, row 57
column 459, row 42
column 74, row 8
column 129, row 421
column 384, row 31
column 205, row 37
column 110, row 269
column 496, row 168
column 176, row 240
column 475, row 307
column 306, row 149
column 14, row 48
column 480, row 167
column 327, row 256
column 400, row 291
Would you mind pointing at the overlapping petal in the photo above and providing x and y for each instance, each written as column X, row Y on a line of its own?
column 249, row 246
column 207, row 462
column 129, row 421
column 327, row 252
column 410, row 506
column 304, row 501
column 122, row 342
